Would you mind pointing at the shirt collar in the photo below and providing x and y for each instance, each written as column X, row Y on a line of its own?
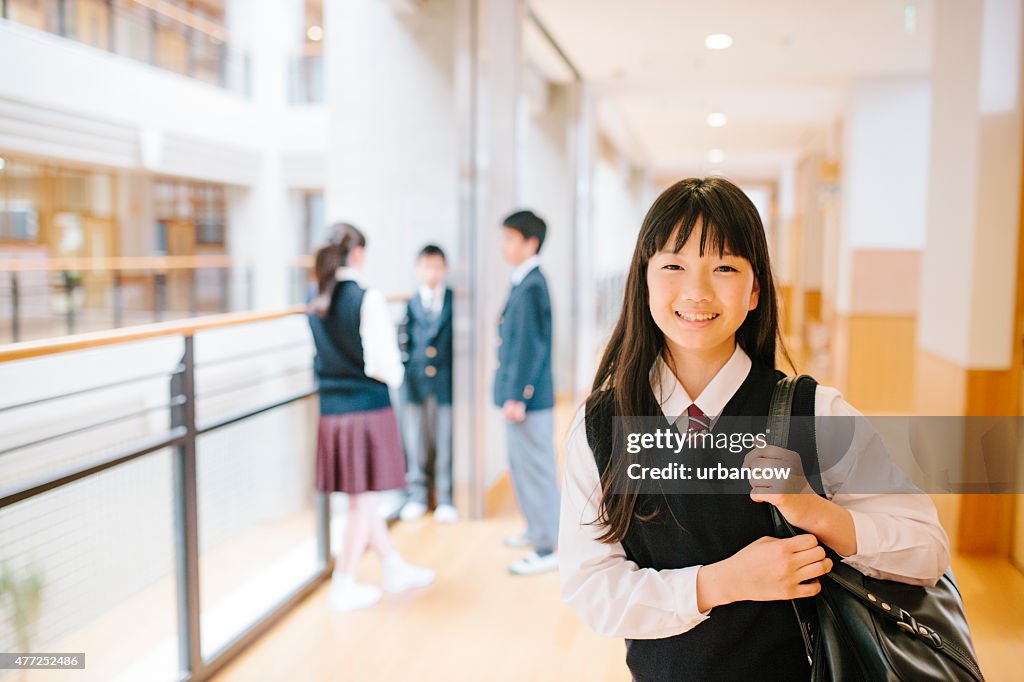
column 673, row 398
column 524, row 268
column 432, row 296
column 344, row 272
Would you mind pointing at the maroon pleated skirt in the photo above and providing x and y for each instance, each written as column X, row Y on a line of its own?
column 358, row 452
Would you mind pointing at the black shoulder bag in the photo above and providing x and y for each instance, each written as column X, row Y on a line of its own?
column 861, row 628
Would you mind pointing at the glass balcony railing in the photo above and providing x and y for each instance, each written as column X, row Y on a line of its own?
column 156, row 506
column 306, row 79
column 169, row 34
column 49, row 297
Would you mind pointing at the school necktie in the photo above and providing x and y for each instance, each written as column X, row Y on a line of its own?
column 696, row 421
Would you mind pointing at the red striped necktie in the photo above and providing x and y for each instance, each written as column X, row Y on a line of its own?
column 696, row 421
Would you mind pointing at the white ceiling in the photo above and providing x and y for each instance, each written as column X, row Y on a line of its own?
column 782, row 84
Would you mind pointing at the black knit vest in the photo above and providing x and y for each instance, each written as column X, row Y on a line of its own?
column 343, row 385
column 740, row 641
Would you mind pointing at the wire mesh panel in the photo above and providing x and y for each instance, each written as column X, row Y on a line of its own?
column 257, row 524
column 89, row 567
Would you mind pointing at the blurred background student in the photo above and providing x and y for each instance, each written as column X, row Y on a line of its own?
column 359, row 450
column 427, row 413
column 524, row 390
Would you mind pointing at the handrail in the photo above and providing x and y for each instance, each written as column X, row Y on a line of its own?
column 64, row 344
column 129, row 263
column 35, row 349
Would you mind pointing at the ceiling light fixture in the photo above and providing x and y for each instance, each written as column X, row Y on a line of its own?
column 315, row 33
column 716, row 156
column 718, row 41
column 717, row 119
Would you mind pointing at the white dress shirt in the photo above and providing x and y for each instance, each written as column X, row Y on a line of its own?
column 432, row 299
column 382, row 360
column 523, row 269
column 898, row 535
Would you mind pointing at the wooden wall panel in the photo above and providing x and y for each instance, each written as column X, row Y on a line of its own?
column 880, row 362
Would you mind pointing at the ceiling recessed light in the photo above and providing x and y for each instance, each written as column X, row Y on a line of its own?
column 717, row 119
column 718, row 41
column 315, row 33
column 716, row 156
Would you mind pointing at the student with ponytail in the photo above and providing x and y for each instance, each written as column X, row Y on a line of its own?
column 696, row 583
column 359, row 451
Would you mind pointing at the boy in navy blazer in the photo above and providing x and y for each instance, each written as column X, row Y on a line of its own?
column 428, row 389
column 524, row 390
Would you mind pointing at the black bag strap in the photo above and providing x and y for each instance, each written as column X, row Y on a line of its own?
column 780, row 414
column 780, row 426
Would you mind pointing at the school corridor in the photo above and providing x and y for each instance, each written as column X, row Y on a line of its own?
column 176, row 177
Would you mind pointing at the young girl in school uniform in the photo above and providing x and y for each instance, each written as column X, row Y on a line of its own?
column 359, row 451
column 695, row 583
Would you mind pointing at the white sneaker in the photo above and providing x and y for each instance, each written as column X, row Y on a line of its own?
column 532, row 564
column 400, row 576
column 446, row 513
column 516, row 541
column 346, row 594
column 413, row 511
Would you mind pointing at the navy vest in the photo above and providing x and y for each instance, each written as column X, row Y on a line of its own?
column 740, row 641
column 343, row 385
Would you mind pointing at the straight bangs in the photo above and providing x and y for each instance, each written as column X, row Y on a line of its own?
column 723, row 228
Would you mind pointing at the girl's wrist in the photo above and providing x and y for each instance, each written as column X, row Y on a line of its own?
column 714, row 588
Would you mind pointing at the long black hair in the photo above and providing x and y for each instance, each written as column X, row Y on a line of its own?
column 728, row 219
column 334, row 254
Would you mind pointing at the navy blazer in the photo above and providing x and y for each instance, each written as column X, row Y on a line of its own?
column 524, row 356
column 428, row 367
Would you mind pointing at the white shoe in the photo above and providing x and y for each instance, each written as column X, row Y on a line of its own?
column 446, row 513
column 516, row 541
column 346, row 594
column 413, row 511
column 532, row 564
column 400, row 576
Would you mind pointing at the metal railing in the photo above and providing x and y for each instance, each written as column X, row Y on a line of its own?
column 180, row 438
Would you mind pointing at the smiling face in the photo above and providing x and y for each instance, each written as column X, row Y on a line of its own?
column 699, row 301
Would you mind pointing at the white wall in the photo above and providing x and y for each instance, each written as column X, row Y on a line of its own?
column 620, row 200
column 618, row 214
column 885, row 170
column 547, row 189
column 391, row 163
column 969, row 263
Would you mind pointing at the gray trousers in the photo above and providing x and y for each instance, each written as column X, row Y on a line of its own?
column 531, row 461
column 429, row 426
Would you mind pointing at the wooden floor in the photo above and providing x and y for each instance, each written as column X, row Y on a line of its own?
column 479, row 623
column 476, row 623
